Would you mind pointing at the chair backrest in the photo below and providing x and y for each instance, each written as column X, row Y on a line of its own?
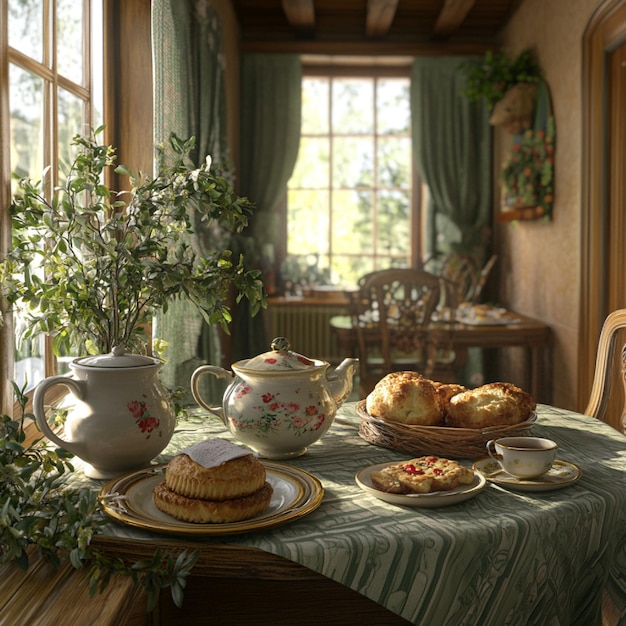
column 465, row 270
column 603, row 376
column 391, row 311
column 482, row 279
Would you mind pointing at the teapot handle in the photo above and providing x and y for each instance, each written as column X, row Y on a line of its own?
column 218, row 372
column 77, row 387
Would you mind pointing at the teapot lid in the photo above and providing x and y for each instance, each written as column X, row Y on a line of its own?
column 280, row 358
column 116, row 358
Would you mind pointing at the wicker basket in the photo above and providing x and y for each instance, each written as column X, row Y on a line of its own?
column 452, row 443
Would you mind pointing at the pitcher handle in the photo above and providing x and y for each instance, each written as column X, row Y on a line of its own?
column 77, row 387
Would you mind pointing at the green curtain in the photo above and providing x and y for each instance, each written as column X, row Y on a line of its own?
column 271, row 86
column 189, row 101
column 453, row 155
column 271, row 94
column 452, row 151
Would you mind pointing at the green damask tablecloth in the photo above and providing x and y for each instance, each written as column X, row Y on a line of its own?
column 503, row 557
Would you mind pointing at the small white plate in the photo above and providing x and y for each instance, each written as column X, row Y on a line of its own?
column 562, row 474
column 425, row 500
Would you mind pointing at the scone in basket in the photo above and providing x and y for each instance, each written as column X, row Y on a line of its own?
column 452, row 443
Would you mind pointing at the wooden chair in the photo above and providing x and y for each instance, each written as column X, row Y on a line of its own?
column 467, row 273
column 603, row 376
column 391, row 313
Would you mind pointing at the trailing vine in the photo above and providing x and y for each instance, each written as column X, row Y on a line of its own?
column 37, row 508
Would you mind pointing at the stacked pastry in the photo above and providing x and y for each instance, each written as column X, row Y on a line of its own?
column 213, row 482
column 410, row 398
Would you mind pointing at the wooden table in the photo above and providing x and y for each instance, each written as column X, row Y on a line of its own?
column 502, row 557
column 527, row 333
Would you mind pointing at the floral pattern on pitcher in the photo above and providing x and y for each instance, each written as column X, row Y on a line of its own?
column 146, row 422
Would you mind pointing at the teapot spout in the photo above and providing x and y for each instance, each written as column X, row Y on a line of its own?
column 339, row 382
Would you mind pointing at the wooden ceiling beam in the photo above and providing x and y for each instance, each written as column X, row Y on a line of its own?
column 370, row 48
column 380, row 14
column 300, row 14
column 451, row 17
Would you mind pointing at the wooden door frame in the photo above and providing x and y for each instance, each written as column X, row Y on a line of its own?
column 605, row 32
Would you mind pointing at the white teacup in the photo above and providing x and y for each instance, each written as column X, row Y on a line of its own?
column 523, row 457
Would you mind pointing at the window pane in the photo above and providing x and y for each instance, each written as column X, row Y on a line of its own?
column 393, row 106
column 97, row 64
column 346, row 270
column 315, row 106
column 308, row 222
column 312, row 166
column 393, row 223
column 70, row 40
column 353, row 162
column 394, row 162
column 26, row 103
column 363, row 173
column 353, row 106
column 70, row 118
column 353, row 219
column 25, row 28
column 42, row 126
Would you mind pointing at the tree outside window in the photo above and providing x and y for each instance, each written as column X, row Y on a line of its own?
column 350, row 197
column 54, row 66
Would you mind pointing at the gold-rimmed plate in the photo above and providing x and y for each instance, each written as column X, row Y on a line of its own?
column 128, row 500
column 424, row 500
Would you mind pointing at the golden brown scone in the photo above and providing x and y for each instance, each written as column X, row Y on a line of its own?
column 446, row 392
column 494, row 404
column 406, row 397
column 235, row 478
column 422, row 475
column 211, row 511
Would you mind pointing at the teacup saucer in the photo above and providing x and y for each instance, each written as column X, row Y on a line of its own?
column 562, row 474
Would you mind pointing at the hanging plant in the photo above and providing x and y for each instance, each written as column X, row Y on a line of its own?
column 497, row 74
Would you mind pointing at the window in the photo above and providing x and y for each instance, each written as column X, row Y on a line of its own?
column 54, row 65
column 350, row 199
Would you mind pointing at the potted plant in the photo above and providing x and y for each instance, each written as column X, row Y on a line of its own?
column 107, row 261
column 91, row 266
column 498, row 73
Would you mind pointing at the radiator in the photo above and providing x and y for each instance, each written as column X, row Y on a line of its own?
column 307, row 327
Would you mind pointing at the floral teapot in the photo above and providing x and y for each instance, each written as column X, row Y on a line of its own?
column 279, row 402
column 120, row 416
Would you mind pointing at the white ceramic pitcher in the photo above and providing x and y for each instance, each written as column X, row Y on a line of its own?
column 120, row 418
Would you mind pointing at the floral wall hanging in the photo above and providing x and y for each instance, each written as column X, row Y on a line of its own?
column 520, row 104
column 527, row 175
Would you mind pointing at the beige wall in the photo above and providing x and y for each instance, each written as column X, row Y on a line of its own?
column 539, row 261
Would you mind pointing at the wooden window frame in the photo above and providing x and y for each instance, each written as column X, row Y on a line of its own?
column 371, row 72
column 128, row 108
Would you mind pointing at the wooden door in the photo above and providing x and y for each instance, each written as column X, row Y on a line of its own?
column 603, row 220
column 615, row 254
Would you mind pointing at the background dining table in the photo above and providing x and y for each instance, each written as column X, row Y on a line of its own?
column 502, row 557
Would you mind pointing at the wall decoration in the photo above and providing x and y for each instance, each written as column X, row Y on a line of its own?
column 527, row 175
column 519, row 101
